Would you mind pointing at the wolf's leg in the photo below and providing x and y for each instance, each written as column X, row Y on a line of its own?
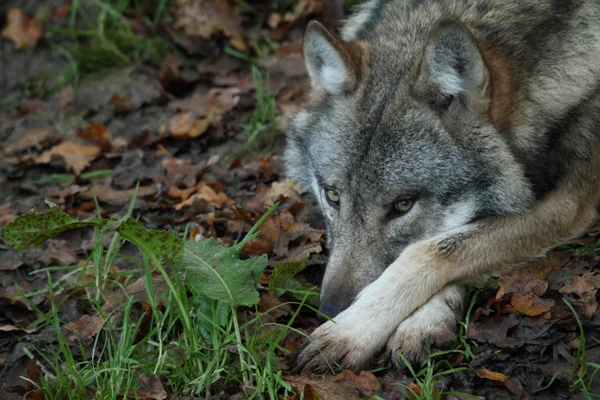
column 433, row 325
column 487, row 246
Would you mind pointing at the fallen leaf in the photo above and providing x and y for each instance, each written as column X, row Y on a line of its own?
column 150, row 387
column 12, row 328
column 270, row 304
column 77, row 157
column 366, row 382
column 585, row 287
column 530, row 304
column 137, row 291
column 32, row 138
column 208, row 194
column 266, row 197
column 97, row 134
column 210, row 17
column 120, row 103
column 23, row 30
column 491, row 375
column 327, row 387
column 85, row 329
column 58, row 253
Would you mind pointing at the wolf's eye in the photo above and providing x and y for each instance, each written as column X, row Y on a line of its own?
column 403, row 206
column 333, row 197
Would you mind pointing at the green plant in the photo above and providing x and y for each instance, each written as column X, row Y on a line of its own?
column 108, row 40
column 261, row 130
column 583, row 372
column 195, row 342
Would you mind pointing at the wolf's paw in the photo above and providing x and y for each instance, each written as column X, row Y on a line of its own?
column 433, row 325
column 344, row 344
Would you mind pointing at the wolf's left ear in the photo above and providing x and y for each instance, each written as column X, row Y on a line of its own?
column 452, row 68
column 331, row 63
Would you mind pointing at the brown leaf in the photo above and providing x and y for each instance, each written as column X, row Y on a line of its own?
column 329, row 387
column 85, row 329
column 491, row 375
column 208, row 194
column 366, row 382
column 120, row 103
column 58, row 253
column 585, row 287
column 33, row 374
column 309, row 393
column 271, row 304
column 184, row 126
column 77, row 157
column 136, row 290
column 21, row 29
column 216, row 101
column 208, row 18
column 265, row 197
column 31, row 138
column 97, row 134
column 150, row 387
column 530, row 304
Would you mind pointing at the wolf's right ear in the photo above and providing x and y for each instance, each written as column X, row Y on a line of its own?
column 453, row 67
column 331, row 63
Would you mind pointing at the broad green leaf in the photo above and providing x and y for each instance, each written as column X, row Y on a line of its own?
column 218, row 272
column 208, row 313
column 283, row 281
column 163, row 245
column 35, row 227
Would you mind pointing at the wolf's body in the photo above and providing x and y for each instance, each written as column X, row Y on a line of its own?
column 446, row 141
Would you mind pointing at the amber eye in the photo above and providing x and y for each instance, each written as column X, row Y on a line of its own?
column 332, row 197
column 404, row 205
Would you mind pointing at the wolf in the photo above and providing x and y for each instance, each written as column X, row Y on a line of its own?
column 446, row 141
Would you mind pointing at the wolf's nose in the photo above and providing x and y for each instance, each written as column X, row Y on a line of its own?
column 331, row 310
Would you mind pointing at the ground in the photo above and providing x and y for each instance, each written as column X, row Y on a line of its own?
column 172, row 113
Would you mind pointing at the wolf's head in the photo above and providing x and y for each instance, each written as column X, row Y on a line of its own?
column 401, row 141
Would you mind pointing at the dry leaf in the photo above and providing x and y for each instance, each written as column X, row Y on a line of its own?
column 491, row 375
column 33, row 137
column 85, row 329
column 150, row 388
column 97, row 134
column 530, row 304
column 208, row 18
column 585, row 287
column 208, row 194
column 326, row 386
column 188, row 126
column 77, row 157
column 21, row 29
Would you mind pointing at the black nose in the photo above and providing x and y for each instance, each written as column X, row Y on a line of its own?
column 331, row 309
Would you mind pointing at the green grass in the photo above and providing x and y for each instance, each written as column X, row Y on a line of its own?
column 426, row 377
column 192, row 338
column 261, row 130
column 107, row 39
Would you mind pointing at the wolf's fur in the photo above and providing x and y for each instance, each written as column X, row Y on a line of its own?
column 486, row 113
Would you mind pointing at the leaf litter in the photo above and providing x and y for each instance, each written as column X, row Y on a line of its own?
column 177, row 130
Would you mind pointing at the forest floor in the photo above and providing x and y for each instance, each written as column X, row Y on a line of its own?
column 144, row 116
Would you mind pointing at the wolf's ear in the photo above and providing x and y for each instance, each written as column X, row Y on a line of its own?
column 452, row 68
column 331, row 63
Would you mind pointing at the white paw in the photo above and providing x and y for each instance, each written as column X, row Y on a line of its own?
column 433, row 325
column 348, row 343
